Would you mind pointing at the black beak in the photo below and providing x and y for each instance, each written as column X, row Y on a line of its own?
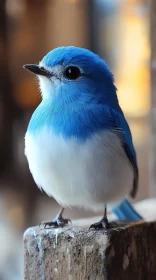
column 37, row 70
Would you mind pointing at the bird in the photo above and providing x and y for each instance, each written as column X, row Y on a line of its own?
column 78, row 144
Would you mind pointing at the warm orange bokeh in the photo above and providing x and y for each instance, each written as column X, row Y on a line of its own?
column 132, row 70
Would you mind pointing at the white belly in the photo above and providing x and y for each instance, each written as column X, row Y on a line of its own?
column 86, row 174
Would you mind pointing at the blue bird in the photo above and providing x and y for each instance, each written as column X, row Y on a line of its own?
column 78, row 143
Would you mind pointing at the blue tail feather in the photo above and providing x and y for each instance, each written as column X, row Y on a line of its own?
column 125, row 211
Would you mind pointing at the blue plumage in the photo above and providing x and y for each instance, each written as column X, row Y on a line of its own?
column 95, row 90
column 91, row 64
column 80, row 102
column 127, row 144
column 125, row 211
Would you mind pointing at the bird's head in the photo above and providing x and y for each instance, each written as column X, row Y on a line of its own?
column 74, row 74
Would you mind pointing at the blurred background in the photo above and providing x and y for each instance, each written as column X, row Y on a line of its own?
column 118, row 30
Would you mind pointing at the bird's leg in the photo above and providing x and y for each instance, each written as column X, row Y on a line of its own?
column 103, row 223
column 59, row 221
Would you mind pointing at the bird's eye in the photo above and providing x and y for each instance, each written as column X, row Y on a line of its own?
column 42, row 68
column 72, row 73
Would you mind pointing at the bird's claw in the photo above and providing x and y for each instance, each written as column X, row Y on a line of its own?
column 100, row 225
column 58, row 222
column 103, row 224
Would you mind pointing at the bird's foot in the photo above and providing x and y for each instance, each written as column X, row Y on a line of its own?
column 58, row 222
column 103, row 224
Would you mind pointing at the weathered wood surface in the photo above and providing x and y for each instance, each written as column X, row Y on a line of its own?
column 127, row 252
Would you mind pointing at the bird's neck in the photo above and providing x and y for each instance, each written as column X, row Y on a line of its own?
column 70, row 120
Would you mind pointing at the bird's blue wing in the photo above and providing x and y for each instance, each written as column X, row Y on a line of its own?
column 122, row 128
column 125, row 210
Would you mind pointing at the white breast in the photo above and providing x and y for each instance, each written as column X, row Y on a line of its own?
column 86, row 174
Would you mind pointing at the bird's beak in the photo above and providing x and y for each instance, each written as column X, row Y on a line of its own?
column 37, row 70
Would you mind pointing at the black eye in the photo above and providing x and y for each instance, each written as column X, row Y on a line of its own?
column 72, row 73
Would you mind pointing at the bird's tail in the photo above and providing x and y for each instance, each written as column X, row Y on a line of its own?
column 125, row 211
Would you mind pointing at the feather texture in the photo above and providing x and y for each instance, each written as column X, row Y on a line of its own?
column 78, row 143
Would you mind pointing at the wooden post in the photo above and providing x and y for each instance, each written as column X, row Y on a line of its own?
column 127, row 252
